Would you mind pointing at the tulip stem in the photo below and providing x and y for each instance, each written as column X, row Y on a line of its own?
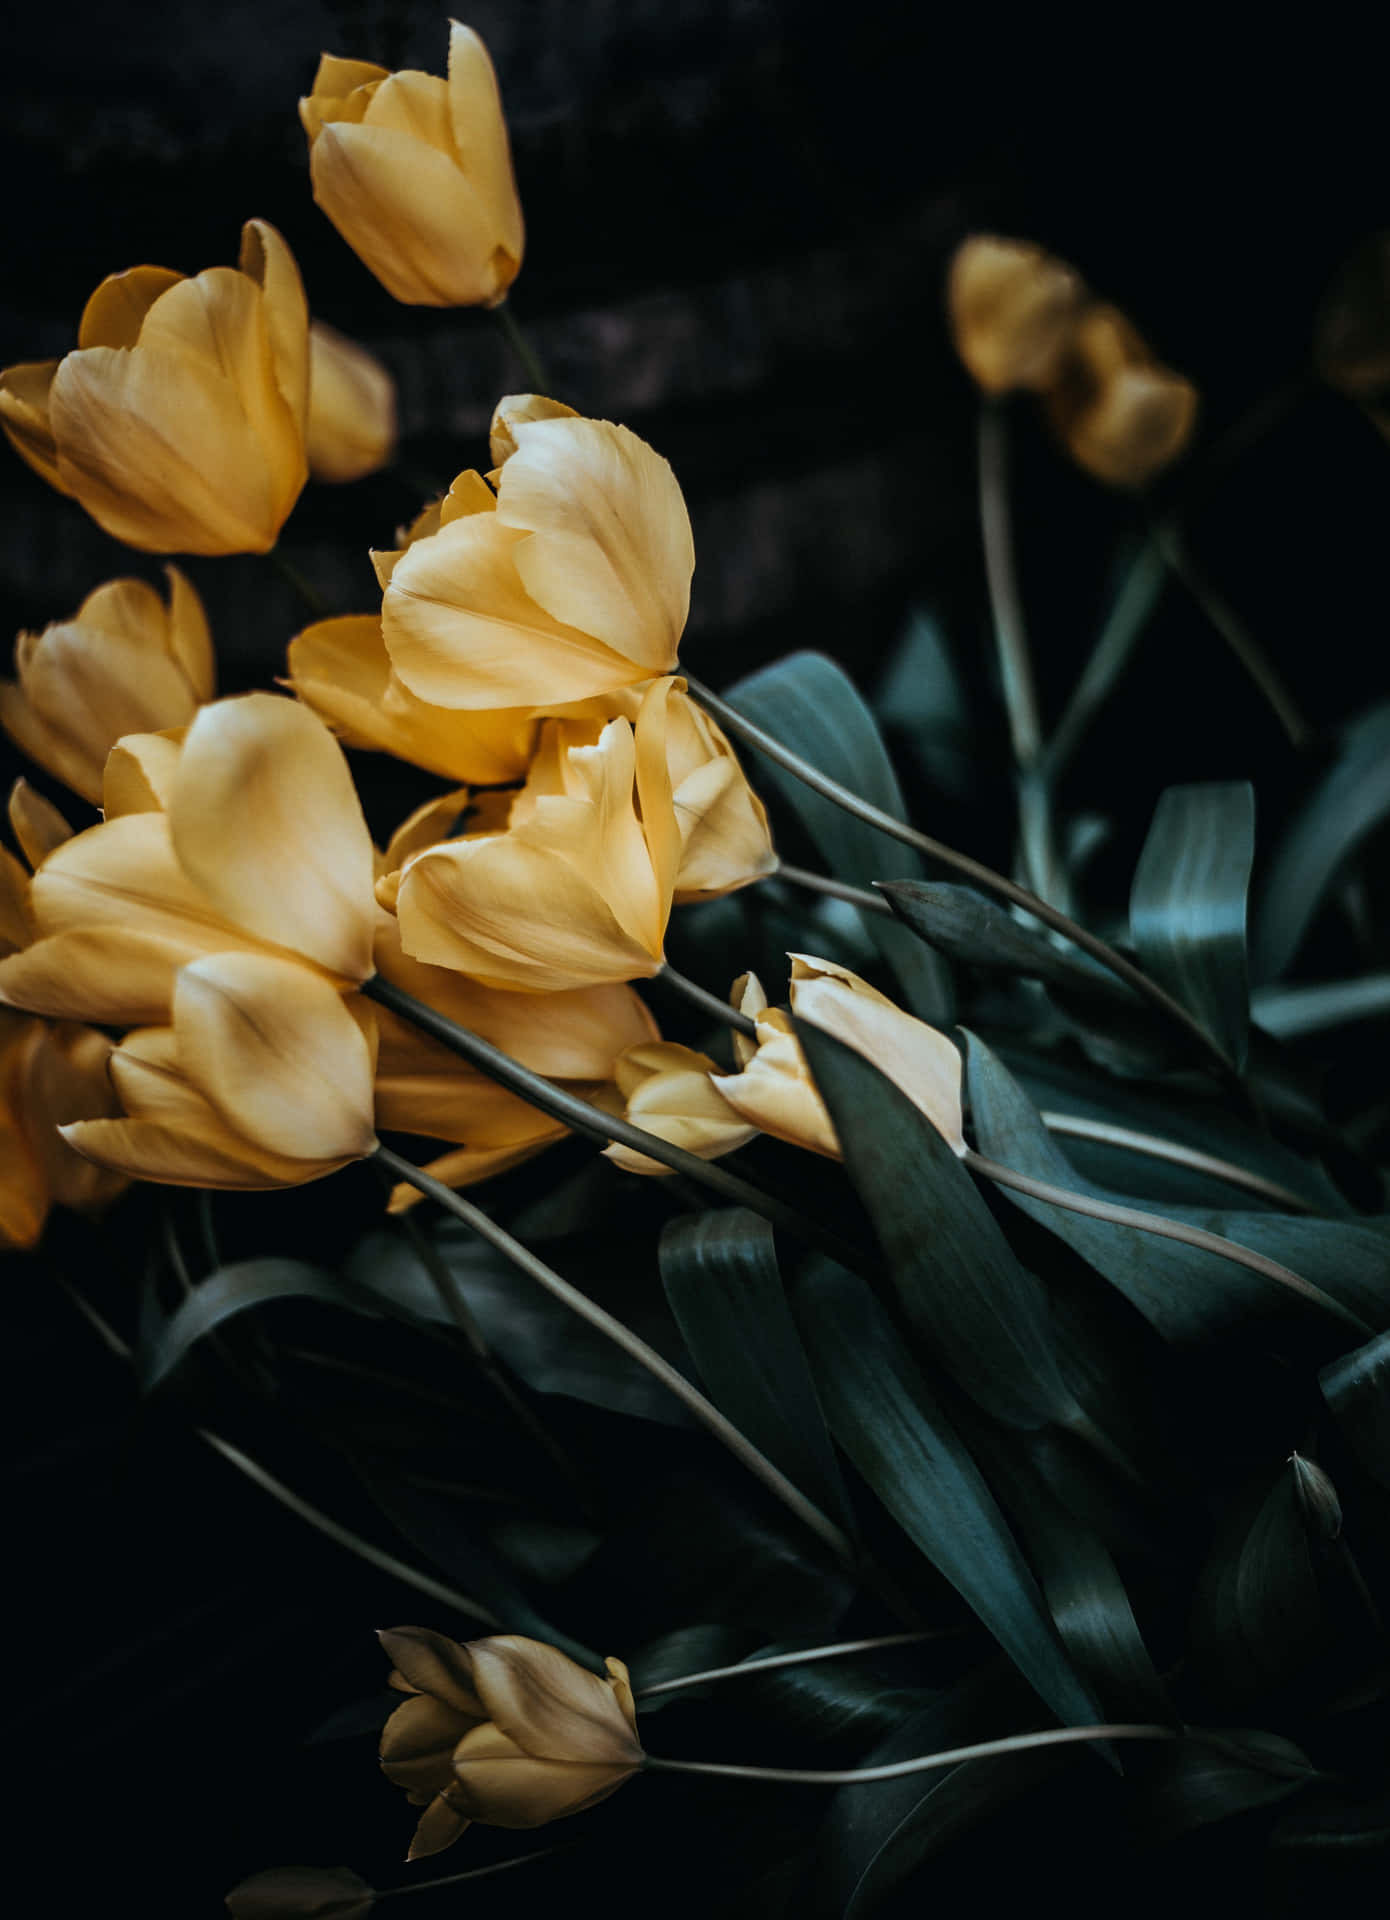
column 633, row 1345
column 763, row 742
column 1138, row 596
column 706, row 1001
column 1072, row 1126
column 474, row 1873
column 1157, row 1223
column 521, row 347
column 923, row 1763
column 836, row 889
column 806, row 1655
column 595, row 1124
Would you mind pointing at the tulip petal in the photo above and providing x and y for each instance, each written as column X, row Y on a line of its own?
column 334, row 81
column 352, row 408
column 91, row 686
column 440, row 1825
column 36, row 823
column 417, row 1745
column 265, row 819
column 25, row 394
column 68, row 1080
column 497, row 1782
column 45, row 745
column 143, row 1150
column 16, row 926
column 116, row 312
column 467, row 1166
column 107, row 974
column 270, row 1044
column 513, row 411
column 480, row 139
column 775, row 1091
column 124, row 875
column 139, row 773
column 550, row 1706
column 190, row 639
column 611, row 551
column 433, row 1664
column 463, row 632
column 266, row 260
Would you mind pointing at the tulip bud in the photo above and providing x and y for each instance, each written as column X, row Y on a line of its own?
column 1119, row 413
column 668, row 1090
column 352, row 408
column 124, row 663
column 415, row 172
column 774, row 1091
column 179, row 422
column 506, row 1731
column 1012, row 309
column 302, row 1893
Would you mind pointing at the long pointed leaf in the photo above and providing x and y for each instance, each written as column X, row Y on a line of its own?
column 236, row 1289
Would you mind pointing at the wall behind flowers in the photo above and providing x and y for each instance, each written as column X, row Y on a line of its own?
column 739, row 218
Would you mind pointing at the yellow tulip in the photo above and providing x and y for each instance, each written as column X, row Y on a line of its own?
column 179, row 422
column 49, row 1076
column 697, row 785
column 1012, row 310
column 261, row 847
column 124, row 663
column 262, row 1079
column 773, row 1090
column 415, row 172
column 1120, row 414
column 352, row 408
column 669, row 1090
column 341, row 669
column 575, row 892
column 573, row 581
column 506, row 1731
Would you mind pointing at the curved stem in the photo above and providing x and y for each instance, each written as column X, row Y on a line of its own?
column 603, row 1322
column 807, row 1655
column 595, row 1124
column 836, row 889
column 521, row 347
column 754, row 736
column 707, row 1002
column 923, row 1763
column 1136, row 600
column 1072, row 1126
column 473, row 1873
column 1159, row 1224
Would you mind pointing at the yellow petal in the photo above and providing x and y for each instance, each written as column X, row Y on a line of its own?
column 467, row 1166
column 463, row 632
column 190, row 639
column 68, row 1080
column 480, row 140
column 352, row 408
column 124, row 875
column 669, row 1092
column 335, row 80
column 611, row 552
column 36, row 823
column 172, row 1157
column 1012, row 308
column 267, row 261
column 553, row 1708
column 25, row 392
column 266, row 821
column 440, row 1825
column 417, row 1746
column 16, row 926
column 433, row 1664
column 272, row 1047
column 139, row 773
column 775, row 1091
column 513, row 411
column 1121, row 415
column 45, row 745
column 497, row 1783
column 116, row 312
column 106, row 974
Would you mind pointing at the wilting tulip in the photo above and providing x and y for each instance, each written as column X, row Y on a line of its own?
column 179, row 422
column 423, row 1088
column 415, row 172
column 341, row 669
column 352, row 408
column 573, row 581
column 261, row 847
column 1119, row 413
column 668, row 1090
column 124, row 663
column 302, row 1893
column 506, row 1731
column 263, row 1079
column 1012, row 308
column 575, row 892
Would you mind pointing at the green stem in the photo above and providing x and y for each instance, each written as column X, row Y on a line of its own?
column 836, row 889
column 837, row 1650
column 521, row 347
column 473, row 1873
column 595, row 1124
column 923, row 1763
column 754, row 736
column 1135, row 602
column 1073, row 1126
column 708, row 1003
column 636, row 1348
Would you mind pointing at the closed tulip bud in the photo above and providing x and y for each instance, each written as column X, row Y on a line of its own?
column 415, row 172
column 1119, row 413
column 573, row 581
column 260, row 846
column 263, row 1079
column 126, row 662
column 506, row 1731
column 1012, row 308
column 669, row 1091
column 302, row 1893
column 352, row 408
column 179, row 422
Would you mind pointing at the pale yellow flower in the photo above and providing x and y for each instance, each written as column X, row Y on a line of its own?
column 1012, row 310
column 671, row 1091
column 352, row 408
column 415, row 172
column 126, row 662
column 506, row 1731
column 1119, row 412
column 179, row 421
column 49, row 1075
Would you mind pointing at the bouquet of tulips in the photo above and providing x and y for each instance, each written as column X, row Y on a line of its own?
column 955, row 1377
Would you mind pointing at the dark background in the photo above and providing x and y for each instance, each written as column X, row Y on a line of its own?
column 739, row 217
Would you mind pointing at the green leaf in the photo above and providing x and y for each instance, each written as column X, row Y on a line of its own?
column 720, row 1273
column 886, row 1418
column 921, row 694
column 1187, row 906
column 1258, row 1612
column 233, row 1290
column 1187, row 1293
column 1357, row 1389
column 979, row 1312
column 1211, row 1775
column 1290, row 1012
column 977, row 932
column 1351, row 799
column 812, row 706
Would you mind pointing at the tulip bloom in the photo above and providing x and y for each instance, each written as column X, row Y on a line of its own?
column 671, row 1091
column 352, row 408
column 573, row 581
column 49, row 1075
column 262, row 1079
column 260, row 846
column 506, row 1731
column 179, row 422
column 1120, row 414
column 415, row 172
column 1012, row 310
column 124, row 663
